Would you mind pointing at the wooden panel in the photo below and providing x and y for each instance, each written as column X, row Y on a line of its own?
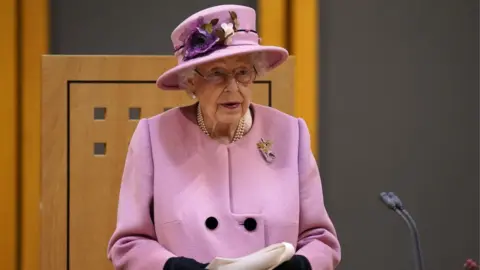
column 34, row 44
column 79, row 189
column 8, row 134
column 53, row 205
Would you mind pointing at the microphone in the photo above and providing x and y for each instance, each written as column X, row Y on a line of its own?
column 393, row 202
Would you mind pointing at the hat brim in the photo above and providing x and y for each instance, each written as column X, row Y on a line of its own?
column 274, row 56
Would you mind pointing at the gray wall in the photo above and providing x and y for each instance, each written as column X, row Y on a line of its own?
column 120, row 26
column 399, row 111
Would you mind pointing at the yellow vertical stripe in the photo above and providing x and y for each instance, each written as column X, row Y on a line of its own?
column 272, row 22
column 35, row 38
column 304, row 33
column 294, row 23
column 8, row 134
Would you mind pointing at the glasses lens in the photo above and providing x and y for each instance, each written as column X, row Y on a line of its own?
column 244, row 76
column 217, row 77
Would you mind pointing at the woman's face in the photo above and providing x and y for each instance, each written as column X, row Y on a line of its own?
column 223, row 88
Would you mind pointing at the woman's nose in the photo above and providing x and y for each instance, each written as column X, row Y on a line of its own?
column 232, row 85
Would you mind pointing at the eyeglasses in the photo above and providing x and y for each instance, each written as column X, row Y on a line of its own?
column 242, row 75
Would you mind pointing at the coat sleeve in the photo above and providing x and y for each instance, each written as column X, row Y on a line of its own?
column 133, row 245
column 317, row 237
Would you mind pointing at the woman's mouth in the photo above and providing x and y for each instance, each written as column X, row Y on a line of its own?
column 231, row 105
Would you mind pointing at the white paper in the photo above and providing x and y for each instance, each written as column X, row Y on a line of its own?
column 264, row 259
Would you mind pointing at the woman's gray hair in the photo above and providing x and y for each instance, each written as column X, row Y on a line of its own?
column 258, row 59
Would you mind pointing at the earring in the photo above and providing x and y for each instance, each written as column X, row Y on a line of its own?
column 191, row 94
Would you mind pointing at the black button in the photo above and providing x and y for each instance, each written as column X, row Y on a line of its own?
column 250, row 224
column 211, row 223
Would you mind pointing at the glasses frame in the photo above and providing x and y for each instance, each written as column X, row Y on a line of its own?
column 230, row 76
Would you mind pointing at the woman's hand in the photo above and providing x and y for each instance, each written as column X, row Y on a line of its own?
column 182, row 263
column 297, row 262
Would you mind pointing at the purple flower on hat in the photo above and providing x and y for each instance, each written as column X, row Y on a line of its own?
column 191, row 28
column 201, row 38
column 199, row 43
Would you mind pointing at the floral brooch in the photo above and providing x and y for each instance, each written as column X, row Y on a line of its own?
column 265, row 147
column 203, row 37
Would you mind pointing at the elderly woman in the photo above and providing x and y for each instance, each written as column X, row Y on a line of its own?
column 223, row 178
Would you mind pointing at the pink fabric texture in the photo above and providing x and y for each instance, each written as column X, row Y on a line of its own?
column 176, row 177
column 242, row 43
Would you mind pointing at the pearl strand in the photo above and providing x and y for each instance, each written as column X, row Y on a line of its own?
column 238, row 133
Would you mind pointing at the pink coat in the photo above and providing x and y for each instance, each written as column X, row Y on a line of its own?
column 185, row 194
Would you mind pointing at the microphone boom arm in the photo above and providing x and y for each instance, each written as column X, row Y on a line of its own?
column 394, row 203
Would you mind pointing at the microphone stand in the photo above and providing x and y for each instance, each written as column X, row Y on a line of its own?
column 394, row 203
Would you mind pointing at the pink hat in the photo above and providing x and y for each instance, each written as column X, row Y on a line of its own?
column 215, row 33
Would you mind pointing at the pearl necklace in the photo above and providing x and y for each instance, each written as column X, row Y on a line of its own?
column 238, row 133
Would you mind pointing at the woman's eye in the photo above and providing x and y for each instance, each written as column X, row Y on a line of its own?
column 216, row 74
column 242, row 72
